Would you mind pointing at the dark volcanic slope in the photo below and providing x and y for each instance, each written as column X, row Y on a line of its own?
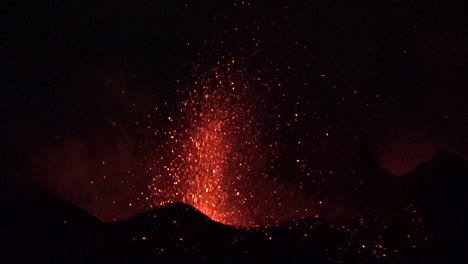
column 438, row 188
column 37, row 226
column 426, row 226
column 174, row 231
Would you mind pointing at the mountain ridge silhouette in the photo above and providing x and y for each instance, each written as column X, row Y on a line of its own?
column 48, row 228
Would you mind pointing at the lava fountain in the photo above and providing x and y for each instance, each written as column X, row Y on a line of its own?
column 216, row 154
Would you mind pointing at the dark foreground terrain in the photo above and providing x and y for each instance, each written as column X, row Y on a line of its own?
column 425, row 225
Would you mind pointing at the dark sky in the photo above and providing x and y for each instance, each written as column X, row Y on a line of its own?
column 80, row 78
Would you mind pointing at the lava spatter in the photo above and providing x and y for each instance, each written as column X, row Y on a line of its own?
column 219, row 150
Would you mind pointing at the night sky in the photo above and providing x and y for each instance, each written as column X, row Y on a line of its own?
column 253, row 112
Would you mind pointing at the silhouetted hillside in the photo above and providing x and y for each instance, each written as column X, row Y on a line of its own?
column 438, row 188
column 426, row 224
column 38, row 226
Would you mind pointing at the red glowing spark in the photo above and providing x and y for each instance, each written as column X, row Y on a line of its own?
column 217, row 149
column 218, row 152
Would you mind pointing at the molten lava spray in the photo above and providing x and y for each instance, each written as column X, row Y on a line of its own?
column 213, row 161
column 219, row 147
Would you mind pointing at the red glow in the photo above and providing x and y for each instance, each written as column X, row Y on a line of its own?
column 209, row 163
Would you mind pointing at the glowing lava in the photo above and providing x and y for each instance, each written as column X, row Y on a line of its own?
column 207, row 162
column 217, row 150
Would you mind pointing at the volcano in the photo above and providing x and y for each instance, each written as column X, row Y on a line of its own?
column 38, row 226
